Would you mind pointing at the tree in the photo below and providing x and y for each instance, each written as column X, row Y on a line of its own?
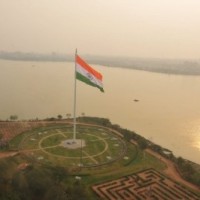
column 142, row 143
column 39, row 181
column 128, row 135
column 68, row 115
column 59, row 173
column 59, row 117
column 10, row 196
column 180, row 161
column 13, row 117
column 157, row 148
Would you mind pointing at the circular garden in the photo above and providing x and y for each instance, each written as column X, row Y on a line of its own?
column 54, row 145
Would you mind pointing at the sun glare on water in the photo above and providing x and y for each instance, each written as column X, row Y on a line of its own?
column 197, row 144
column 196, row 133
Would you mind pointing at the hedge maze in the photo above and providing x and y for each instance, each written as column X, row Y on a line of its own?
column 144, row 185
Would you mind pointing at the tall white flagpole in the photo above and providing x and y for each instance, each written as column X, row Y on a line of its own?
column 74, row 133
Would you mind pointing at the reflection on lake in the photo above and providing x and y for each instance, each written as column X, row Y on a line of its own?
column 168, row 110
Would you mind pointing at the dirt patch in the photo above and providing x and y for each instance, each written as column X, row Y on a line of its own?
column 22, row 166
column 7, row 154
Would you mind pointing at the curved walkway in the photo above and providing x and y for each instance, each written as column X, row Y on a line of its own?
column 171, row 170
column 7, row 154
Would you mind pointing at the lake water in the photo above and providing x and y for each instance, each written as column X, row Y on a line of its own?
column 167, row 113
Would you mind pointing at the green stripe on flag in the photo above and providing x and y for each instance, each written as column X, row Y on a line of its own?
column 80, row 77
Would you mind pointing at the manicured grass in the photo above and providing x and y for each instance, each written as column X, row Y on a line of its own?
column 102, row 146
column 52, row 140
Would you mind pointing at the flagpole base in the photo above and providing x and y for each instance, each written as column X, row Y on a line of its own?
column 73, row 144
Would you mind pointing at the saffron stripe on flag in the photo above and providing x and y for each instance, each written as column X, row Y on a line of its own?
column 88, row 68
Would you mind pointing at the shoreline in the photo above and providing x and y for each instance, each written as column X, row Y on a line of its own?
column 185, row 67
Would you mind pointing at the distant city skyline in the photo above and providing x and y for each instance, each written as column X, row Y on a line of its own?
column 132, row 28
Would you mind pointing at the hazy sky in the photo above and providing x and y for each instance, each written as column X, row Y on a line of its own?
column 138, row 28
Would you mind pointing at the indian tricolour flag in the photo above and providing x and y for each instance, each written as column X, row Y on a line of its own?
column 87, row 74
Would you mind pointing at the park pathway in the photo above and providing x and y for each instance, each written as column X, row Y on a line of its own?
column 171, row 170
